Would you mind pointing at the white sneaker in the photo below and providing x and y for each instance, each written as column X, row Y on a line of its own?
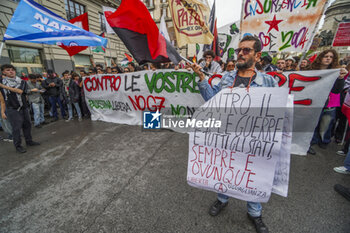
column 69, row 119
column 342, row 170
column 340, row 152
column 80, row 119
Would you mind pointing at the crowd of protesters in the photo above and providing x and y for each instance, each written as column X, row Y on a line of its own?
column 38, row 96
column 47, row 92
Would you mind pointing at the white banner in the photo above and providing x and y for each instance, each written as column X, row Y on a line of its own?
column 282, row 25
column 238, row 159
column 311, row 90
column 122, row 98
column 281, row 179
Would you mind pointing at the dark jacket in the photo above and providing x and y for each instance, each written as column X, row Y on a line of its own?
column 11, row 100
column 53, row 91
column 74, row 92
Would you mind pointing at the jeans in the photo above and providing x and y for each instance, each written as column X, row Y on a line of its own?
column 323, row 131
column 53, row 101
column 38, row 109
column 20, row 120
column 254, row 208
column 70, row 110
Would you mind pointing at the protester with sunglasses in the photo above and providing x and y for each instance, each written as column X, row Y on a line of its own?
column 248, row 54
column 208, row 64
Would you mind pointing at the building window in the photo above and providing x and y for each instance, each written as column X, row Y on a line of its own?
column 102, row 22
column 24, row 55
column 73, row 9
column 82, row 62
column 26, row 60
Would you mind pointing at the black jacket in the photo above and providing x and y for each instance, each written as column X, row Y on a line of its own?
column 74, row 92
column 53, row 91
column 11, row 100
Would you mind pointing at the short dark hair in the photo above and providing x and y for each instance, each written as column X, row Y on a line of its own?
column 209, row 53
column 65, row 72
column 6, row 66
column 257, row 44
column 75, row 75
column 83, row 71
column 267, row 59
column 132, row 64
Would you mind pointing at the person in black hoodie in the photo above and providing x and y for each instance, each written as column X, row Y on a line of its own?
column 71, row 93
column 53, row 86
column 14, row 91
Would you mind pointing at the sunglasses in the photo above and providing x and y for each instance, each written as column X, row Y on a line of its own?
column 246, row 51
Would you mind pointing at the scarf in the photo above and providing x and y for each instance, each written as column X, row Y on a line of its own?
column 14, row 83
column 66, row 85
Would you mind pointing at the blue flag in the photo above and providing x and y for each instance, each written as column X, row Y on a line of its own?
column 32, row 22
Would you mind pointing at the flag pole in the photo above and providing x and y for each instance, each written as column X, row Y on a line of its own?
column 188, row 61
column 1, row 47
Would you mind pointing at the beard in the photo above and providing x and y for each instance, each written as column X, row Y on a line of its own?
column 245, row 65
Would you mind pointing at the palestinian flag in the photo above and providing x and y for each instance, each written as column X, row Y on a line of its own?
column 82, row 22
column 130, row 59
column 135, row 27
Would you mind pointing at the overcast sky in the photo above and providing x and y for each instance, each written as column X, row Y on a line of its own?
column 228, row 11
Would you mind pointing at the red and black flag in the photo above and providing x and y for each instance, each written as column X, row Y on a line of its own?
column 135, row 27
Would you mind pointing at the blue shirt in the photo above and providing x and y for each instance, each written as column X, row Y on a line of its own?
column 261, row 80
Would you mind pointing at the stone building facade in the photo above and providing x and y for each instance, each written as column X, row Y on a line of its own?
column 34, row 58
column 338, row 11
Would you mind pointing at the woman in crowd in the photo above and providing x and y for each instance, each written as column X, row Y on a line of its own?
column 230, row 65
column 327, row 59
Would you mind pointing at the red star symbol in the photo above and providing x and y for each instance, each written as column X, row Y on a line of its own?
column 273, row 24
column 178, row 2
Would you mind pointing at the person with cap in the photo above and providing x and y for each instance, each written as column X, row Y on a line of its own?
column 289, row 64
column 266, row 64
